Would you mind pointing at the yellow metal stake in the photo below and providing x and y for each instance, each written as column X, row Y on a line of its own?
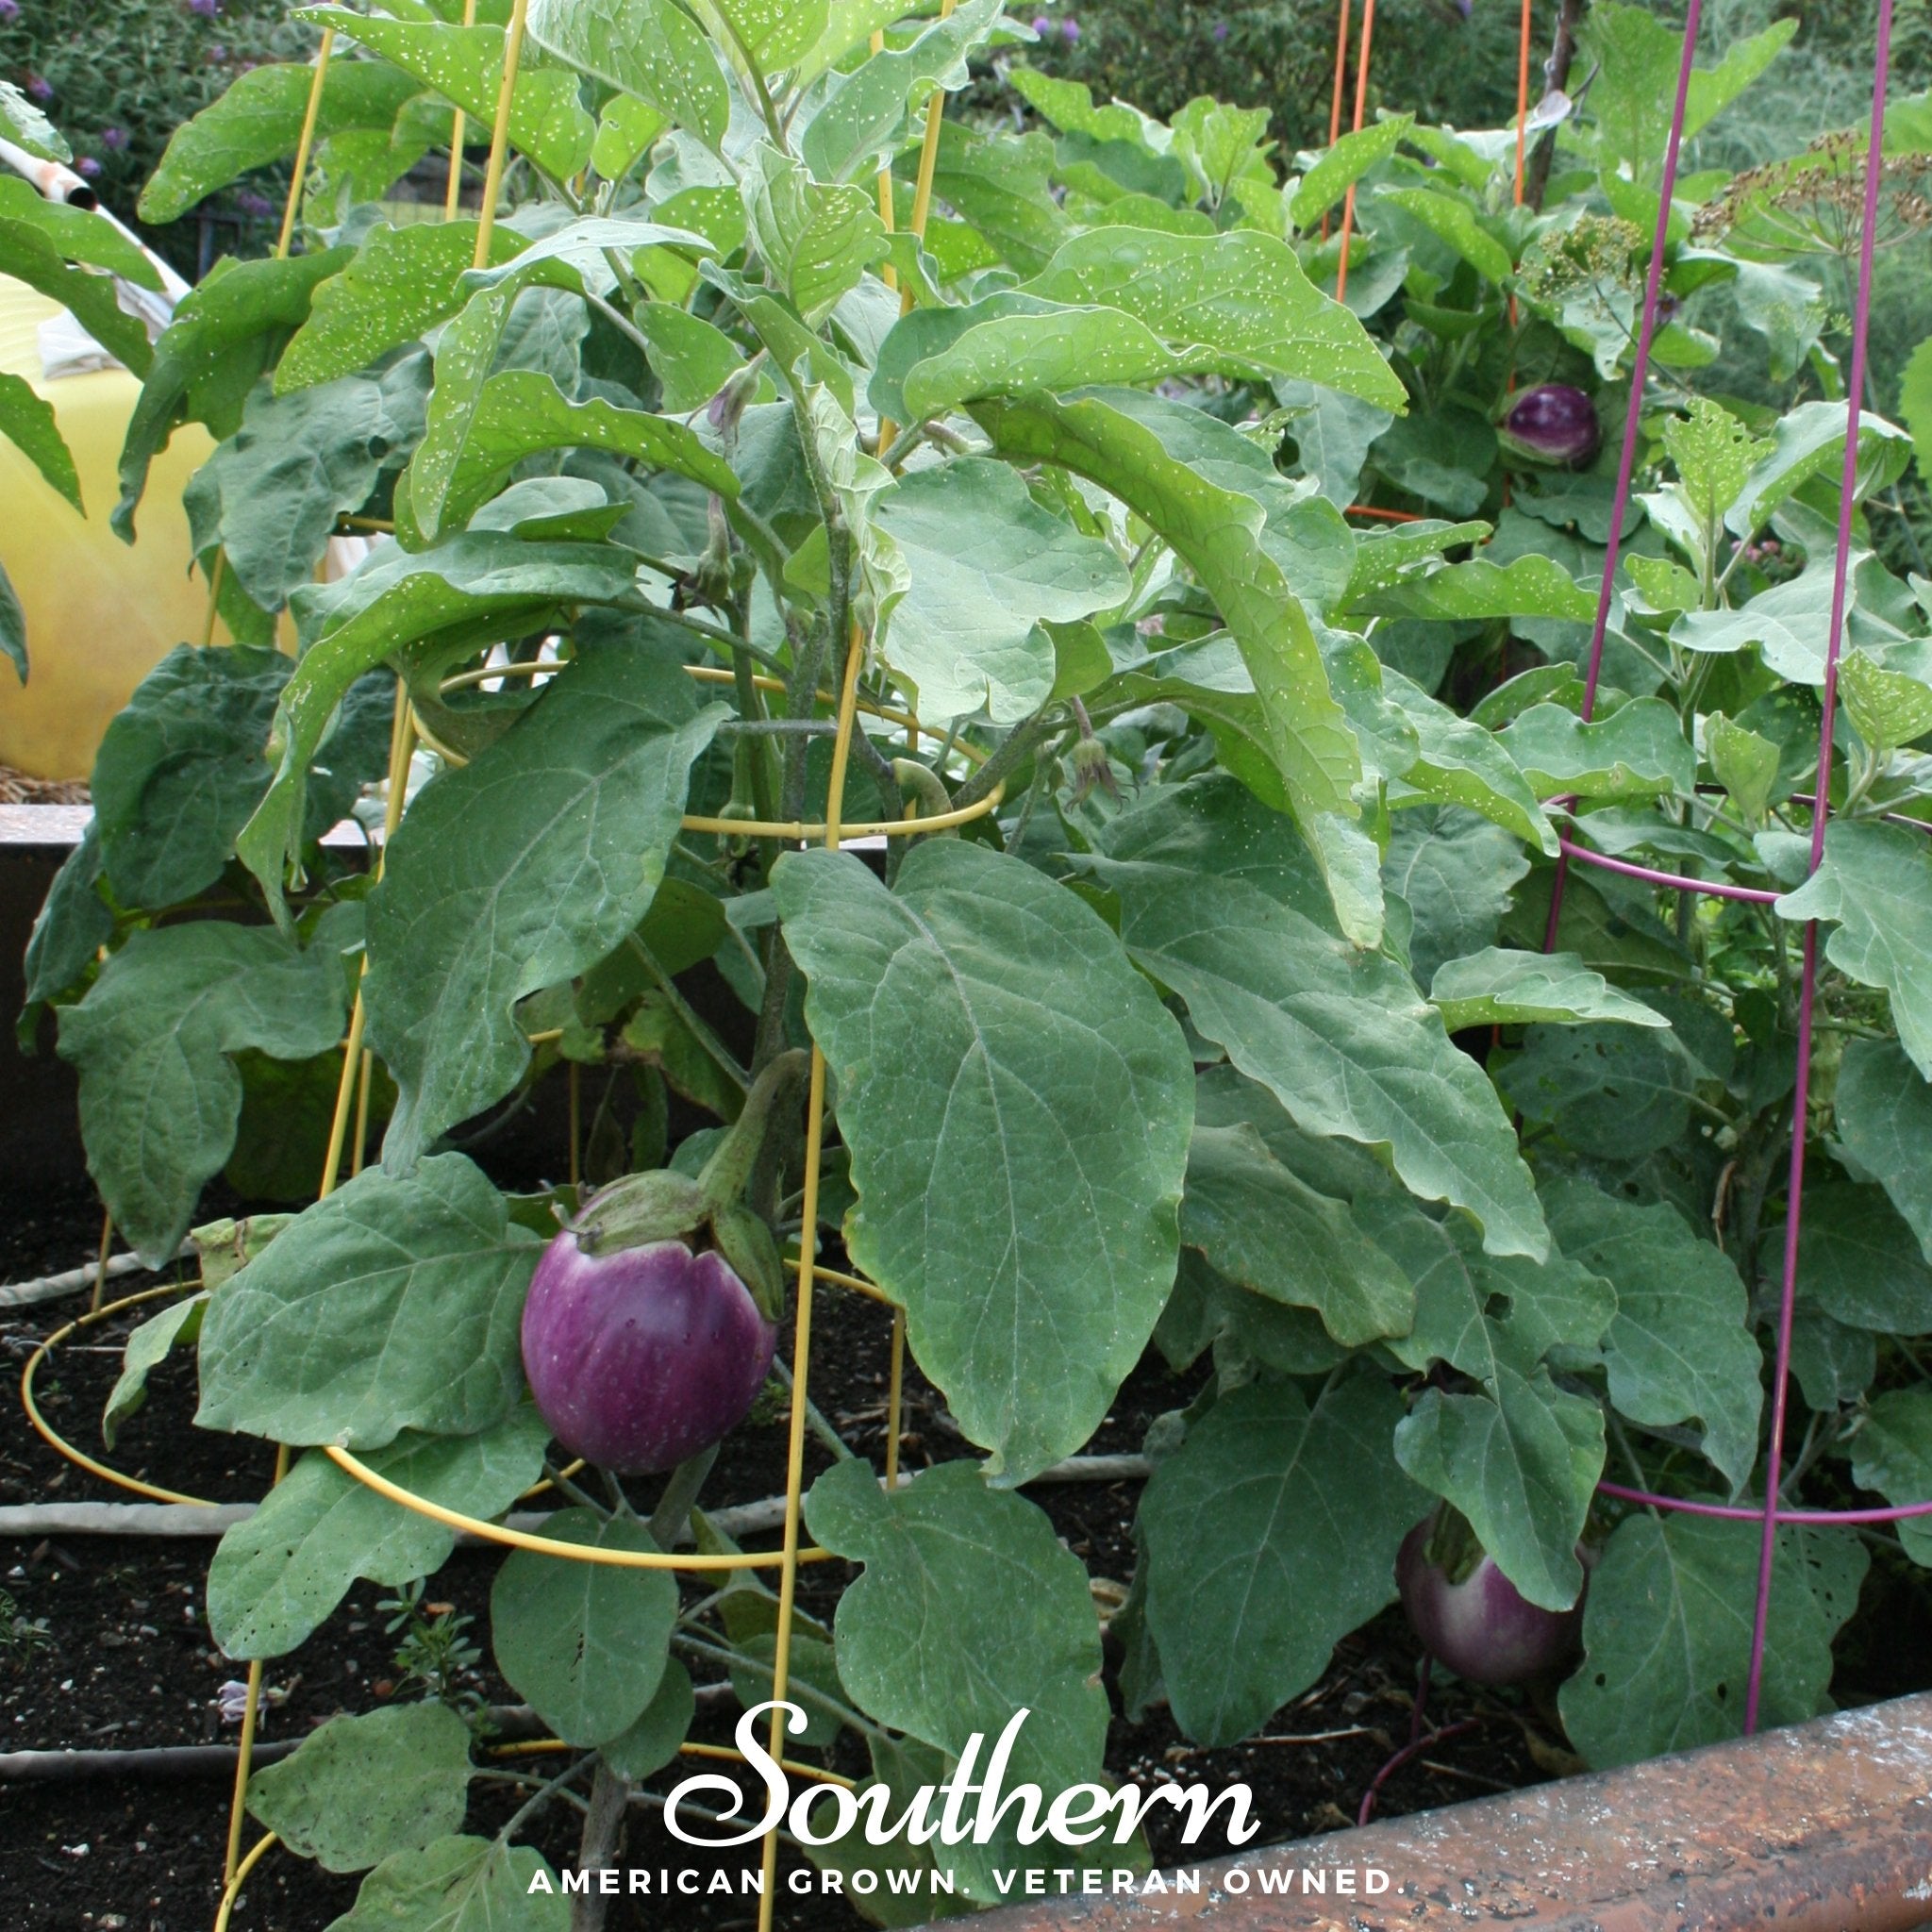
column 302, row 149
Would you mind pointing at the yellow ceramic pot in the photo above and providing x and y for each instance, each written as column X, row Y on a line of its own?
column 99, row 613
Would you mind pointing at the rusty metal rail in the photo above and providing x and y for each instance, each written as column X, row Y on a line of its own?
column 1822, row 1827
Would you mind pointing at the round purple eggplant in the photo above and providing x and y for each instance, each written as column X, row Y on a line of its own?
column 1551, row 424
column 640, row 1358
column 1472, row 1618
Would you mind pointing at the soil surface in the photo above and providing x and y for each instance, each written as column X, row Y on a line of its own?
column 104, row 1645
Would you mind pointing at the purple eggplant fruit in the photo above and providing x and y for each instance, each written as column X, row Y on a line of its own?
column 640, row 1358
column 1551, row 424
column 1471, row 1617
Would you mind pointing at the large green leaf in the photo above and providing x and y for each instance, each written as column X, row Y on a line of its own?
column 1219, row 901
column 391, row 1305
column 1892, row 1454
column 860, row 124
column 1263, row 1226
column 817, row 240
column 23, row 123
column 226, row 331
column 258, row 120
column 362, row 1788
column 1680, row 1346
column 1269, row 1536
column 31, row 255
column 401, row 283
column 1004, row 188
column 1607, row 1089
column 1532, row 585
column 458, row 1885
column 650, row 48
column 1151, row 454
column 582, row 797
column 1810, row 441
column 1859, row 1261
column 279, row 1576
column 1638, row 751
column 1520, row 1458
column 584, row 1644
column 988, row 565
column 271, row 494
column 1017, row 1105
column 968, row 1608
column 159, row 1094
column 1884, row 1111
column 149, row 1346
column 1455, row 871
column 1341, row 165
column 464, row 64
column 484, row 584
column 1137, row 305
column 27, row 418
column 1667, row 1633
column 1500, row 987
column 1875, row 880
column 1459, row 762
column 73, row 923
column 775, row 33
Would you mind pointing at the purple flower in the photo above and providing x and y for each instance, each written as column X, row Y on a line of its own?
column 1042, row 24
column 113, row 138
column 10, row 11
column 1069, row 30
column 207, row 9
column 40, row 89
column 88, row 167
column 257, row 206
column 1219, row 30
column 217, row 53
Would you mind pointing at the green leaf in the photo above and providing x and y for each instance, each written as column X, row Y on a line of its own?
column 1455, row 871
column 1152, row 455
column 1529, row 586
column 1459, row 763
column 1887, row 708
column 73, row 924
column 1267, row 1230
column 271, row 493
column 24, row 124
column 653, row 1740
column 1443, row 457
column 464, row 64
column 988, row 566
column 1521, row 1459
column 1000, row 1067
column 1892, row 1454
column 1638, row 751
column 391, row 1305
column 583, row 796
column 159, row 1095
column 1002, row 187
column 1451, row 218
column 1884, row 1111
column 28, row 419
column 458, row 1885
column 358, row 1788
column 691, row 358
column 1343, row 165
column 1219, row 901
column 1714, row 452
column 399, row 285
column 1137, row 305
column 224, row 333
column 649, row 48
column 776, row 34
column 1810, row 441
column 1667, row 1633
column 12, row 628
column 523, row 411
column 148, row 1346
column 1269, row 1536
column 1858, row 1261
column 1499, row 988
column 1744, row 763
column 1609, row 1090
column 817, row 240
column 1680, row 1344
column 1875, row 880
column 860, row 126
column 584, row 1644
column 1915, row 400
column 483, row 584
column 259, row 121
column 968, row 1610
column 278, row 1577
column 31, row 255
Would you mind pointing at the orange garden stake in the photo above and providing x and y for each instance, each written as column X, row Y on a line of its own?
column 1361, row 99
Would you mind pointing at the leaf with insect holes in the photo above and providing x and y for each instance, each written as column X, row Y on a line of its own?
column 650, row 48
column 358, row 1788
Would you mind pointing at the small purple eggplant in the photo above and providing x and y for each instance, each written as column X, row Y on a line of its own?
column 640, row 1358
column 1471, row 1617
column 1551, row 424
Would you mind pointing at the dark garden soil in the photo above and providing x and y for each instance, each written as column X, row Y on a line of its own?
column 104, row 1645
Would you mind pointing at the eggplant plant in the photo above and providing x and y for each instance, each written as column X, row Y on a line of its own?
column 767, row 464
